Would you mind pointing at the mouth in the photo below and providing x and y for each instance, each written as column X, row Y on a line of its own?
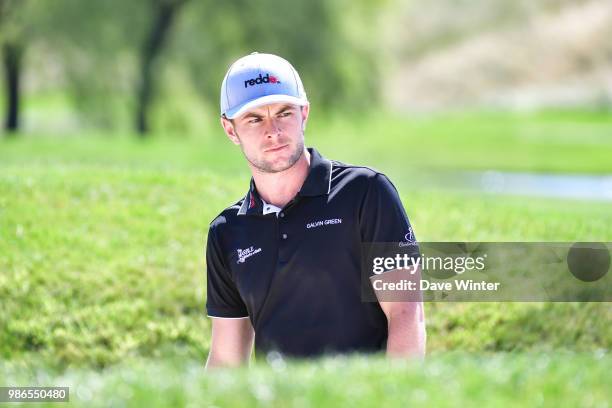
column 275, row 149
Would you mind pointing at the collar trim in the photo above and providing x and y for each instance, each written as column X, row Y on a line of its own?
column 317, row 182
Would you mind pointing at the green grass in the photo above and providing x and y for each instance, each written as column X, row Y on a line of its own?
column 450, row 380
column 102, row 260
column 564, row 142
column 550, row 142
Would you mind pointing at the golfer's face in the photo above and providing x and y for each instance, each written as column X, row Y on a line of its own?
column 272, row 136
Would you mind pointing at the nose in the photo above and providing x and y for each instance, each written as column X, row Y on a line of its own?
column 272, row 128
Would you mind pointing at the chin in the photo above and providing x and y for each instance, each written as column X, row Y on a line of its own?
column 280, row 161
column 278, row 166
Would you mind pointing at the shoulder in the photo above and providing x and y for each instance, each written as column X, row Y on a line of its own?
column 226, row 216
column 358, row 176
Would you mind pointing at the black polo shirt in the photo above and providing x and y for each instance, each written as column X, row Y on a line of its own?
column 296, row 274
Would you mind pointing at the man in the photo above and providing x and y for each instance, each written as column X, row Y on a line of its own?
column 283, row 263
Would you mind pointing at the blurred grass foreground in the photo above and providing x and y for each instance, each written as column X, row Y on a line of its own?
column 112, row 164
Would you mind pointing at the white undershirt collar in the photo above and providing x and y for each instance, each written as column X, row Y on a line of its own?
column 270, row 208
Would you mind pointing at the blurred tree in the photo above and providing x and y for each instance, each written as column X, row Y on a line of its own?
column 112, row 57
column 164, row 16
column 333, row 44
column 109, row 51
column 11, row 59
column 12, row 46
column 95, row 47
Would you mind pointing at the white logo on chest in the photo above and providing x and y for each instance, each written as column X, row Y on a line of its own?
column 321, row 223
column 245, row 253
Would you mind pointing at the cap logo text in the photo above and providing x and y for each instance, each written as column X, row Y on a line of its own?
column 268, row 79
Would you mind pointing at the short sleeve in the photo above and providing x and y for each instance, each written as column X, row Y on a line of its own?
column 382, row 217
column 222, row 297
column 385, row 229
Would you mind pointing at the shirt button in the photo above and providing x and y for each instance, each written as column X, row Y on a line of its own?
column 282, row 215
column 284, row 236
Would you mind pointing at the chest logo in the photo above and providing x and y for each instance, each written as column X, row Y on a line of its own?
column 243, row 254
column 321, row 223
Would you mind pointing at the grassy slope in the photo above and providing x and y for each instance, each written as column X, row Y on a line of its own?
column 101, row 241
column 99, row 263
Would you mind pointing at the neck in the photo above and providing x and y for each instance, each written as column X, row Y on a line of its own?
column 279, row 188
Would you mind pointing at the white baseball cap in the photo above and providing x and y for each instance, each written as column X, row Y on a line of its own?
column 260, row 79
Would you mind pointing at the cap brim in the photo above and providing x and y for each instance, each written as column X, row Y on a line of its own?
column 264, row 100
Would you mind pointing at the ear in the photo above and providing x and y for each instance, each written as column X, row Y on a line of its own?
column 230, row 132
column 305, row 112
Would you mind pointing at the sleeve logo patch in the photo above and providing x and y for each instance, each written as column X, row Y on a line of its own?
column 408, row 238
